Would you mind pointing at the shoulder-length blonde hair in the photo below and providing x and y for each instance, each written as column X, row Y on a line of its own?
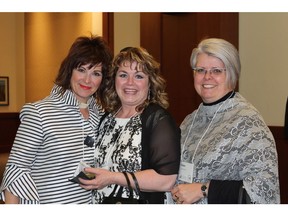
column 145, row 63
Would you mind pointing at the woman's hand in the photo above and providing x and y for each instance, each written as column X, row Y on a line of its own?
column 187, row 193
column 10, row 198
column 102, row 178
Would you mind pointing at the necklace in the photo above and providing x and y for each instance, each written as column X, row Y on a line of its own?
column 83, row 105
column 193, row 157
column 124, row 117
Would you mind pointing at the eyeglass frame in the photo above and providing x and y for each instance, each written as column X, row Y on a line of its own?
column 212, row 71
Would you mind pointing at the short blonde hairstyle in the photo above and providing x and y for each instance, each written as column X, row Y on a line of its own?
column 224, row 51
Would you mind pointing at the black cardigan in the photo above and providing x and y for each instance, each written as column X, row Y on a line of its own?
column 160, row 145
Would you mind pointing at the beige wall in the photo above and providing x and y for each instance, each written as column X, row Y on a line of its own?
column 263, row 49
column 48, row 37
column 262, row 45
column 12, row 58
column 126, row 30
column 45, row 46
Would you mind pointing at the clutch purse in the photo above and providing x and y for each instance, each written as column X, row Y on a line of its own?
column 116, row 198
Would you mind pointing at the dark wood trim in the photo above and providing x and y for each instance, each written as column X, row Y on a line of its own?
column 278, row 132
column 108, row 28
column 151, row 33
column 282, row 150
column 9, row 123
column 286, row 120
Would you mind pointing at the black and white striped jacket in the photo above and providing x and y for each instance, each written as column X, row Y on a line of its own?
column 47, row 149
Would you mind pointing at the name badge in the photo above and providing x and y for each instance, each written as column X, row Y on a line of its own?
column 186, row 172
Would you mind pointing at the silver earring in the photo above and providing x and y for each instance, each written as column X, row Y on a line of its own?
column 148, row 97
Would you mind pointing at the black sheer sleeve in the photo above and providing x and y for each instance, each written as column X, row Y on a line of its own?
column 165, row 147
column 160, row 141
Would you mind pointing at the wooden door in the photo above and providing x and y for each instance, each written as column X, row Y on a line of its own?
column 170, row 38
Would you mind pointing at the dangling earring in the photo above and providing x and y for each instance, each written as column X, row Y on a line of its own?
column 148, row 97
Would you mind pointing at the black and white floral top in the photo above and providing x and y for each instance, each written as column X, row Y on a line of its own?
column 118, row 149
column 150, row 140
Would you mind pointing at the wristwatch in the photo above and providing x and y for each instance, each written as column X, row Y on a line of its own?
column 203, row 189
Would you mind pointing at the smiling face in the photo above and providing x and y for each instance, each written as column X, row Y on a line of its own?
column 131, row 84
column 85, row 81
column 210, row 87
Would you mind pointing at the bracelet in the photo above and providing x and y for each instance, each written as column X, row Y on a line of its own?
column 127, row 180
column 203, row 189
column 137, row 188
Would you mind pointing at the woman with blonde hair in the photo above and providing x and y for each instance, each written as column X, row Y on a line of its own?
column 138, row 136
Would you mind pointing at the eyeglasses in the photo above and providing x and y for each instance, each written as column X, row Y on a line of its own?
column 212, row 71
column 89, row 141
